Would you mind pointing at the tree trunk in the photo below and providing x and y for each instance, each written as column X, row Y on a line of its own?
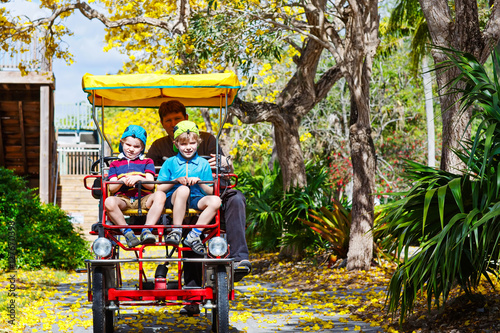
column 457, row 27
column 363, row 162
column 429, row 112
column 358, row 74
column 454, row 123
column 287, row 139
column 362, row 148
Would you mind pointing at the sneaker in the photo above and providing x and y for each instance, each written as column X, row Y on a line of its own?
column 190, row 310
column 173, row 238
column 147, row 237
column 241, row 269
column 195, row 244
column 132, row 241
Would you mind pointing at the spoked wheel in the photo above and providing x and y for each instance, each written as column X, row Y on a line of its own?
column 220, row 313
column 103, row 318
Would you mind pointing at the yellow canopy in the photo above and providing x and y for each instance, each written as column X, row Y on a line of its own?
column 150, row 90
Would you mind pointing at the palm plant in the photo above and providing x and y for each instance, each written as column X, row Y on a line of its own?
column 273, row 215
column 332, row 225
column 264, row 195
column 453, row 218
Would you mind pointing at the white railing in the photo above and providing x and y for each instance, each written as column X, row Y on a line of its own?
column 76, row 159
column 75, row 116
column 31, row 55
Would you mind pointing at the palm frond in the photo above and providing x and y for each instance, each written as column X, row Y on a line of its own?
column 454, row 219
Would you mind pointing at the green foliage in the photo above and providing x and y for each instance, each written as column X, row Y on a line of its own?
column 334, row 226
column 273, row 217
column 36, row 234
column 453, row 218
column 209, row 31
column 118, row 119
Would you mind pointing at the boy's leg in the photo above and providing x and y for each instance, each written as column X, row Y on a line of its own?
column 155, row 204
column 179, row 199
column 114, row 207
column 209, row 205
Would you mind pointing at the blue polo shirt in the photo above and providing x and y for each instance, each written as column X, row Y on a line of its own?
column 175, row 167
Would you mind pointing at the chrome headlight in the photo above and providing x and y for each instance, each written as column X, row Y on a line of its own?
column 102, row 247
column 217, row 246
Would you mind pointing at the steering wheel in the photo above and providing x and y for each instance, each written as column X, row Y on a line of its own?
column 207, row 157
column 107, row 161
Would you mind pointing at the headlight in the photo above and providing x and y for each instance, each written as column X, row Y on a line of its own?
column 217, row 246
column 102, row 247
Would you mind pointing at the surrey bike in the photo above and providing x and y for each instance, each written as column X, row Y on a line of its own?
column 106, row 289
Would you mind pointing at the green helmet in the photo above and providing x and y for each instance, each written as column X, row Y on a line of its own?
column 185, row 126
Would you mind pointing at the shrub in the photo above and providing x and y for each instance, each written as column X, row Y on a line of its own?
column 35, row 234
column 334, row 226
column 273, row 216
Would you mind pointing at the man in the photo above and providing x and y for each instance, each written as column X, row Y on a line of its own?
column 233, row 201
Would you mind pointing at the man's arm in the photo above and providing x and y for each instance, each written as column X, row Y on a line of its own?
column 208, row 148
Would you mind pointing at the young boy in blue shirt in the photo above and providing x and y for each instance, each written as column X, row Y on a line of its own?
column 130, row 168
column 188, row 169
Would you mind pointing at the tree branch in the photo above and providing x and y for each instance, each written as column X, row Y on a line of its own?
column 252, row 113
column 178, row 27
column 327, row 81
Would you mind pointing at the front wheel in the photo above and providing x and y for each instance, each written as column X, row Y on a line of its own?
column 103, row 318
column 220, row 313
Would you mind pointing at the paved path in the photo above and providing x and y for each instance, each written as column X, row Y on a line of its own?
column 258, row 307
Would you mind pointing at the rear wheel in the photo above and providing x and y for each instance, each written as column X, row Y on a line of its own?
column 220, row 313
column 103, row 318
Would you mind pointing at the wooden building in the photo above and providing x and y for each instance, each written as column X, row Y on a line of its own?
column 27, row 136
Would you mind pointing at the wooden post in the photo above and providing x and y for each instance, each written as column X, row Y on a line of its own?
column 44, row 143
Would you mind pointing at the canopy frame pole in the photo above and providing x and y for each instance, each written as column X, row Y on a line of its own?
column 101, row 164
column 221, row 125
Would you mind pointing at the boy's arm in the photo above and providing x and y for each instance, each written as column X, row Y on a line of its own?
column 164, row 187
column 148, row 175
column 207, row 188
column 136, row 178
column 164, row 175
column 180, row 180
column 132, row 180
column 113, row 188
column 206, row 175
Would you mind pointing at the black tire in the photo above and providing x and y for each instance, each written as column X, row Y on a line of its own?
column 103, row 318
column 220, row 313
